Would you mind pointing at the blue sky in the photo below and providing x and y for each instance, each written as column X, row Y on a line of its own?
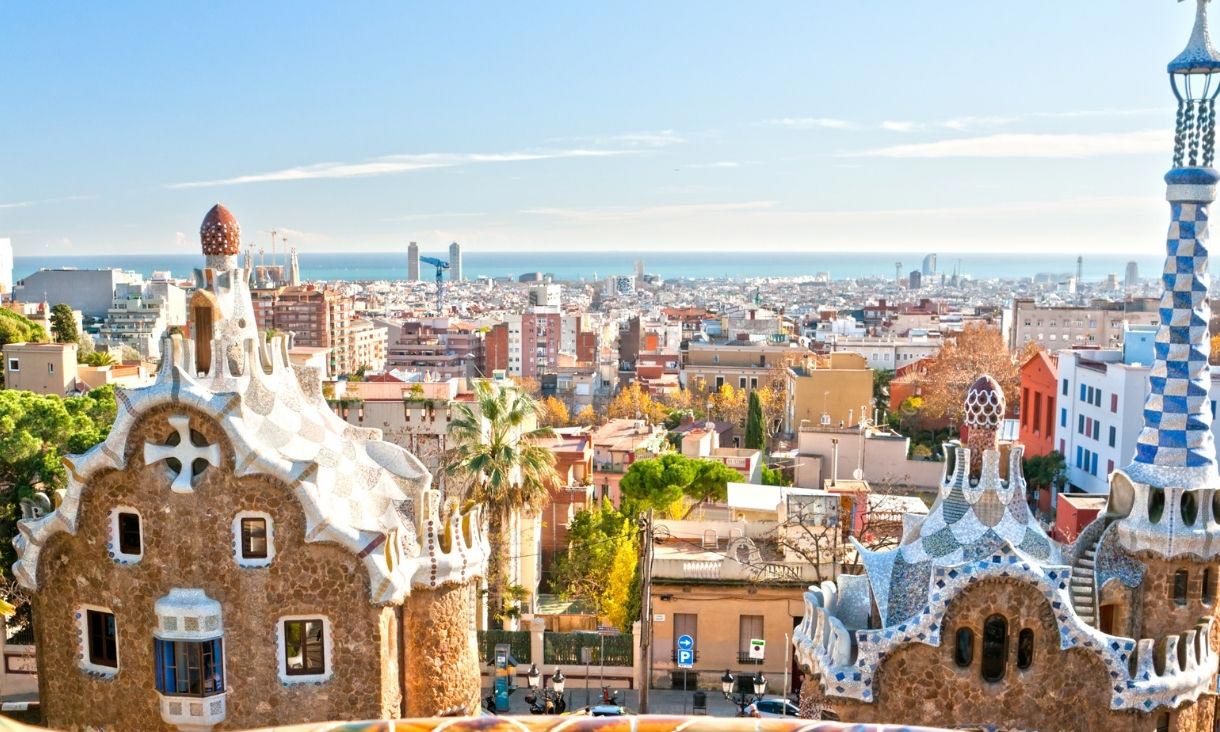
column 838, row 126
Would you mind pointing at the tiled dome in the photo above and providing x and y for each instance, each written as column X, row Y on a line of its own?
column 984, row 403
column 220, row 234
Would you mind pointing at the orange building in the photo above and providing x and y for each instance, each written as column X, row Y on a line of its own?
column 1039, row 389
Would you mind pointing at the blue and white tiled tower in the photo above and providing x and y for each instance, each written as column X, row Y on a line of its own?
column 1176, row 452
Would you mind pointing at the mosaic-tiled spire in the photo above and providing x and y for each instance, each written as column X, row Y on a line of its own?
column 1175, row 447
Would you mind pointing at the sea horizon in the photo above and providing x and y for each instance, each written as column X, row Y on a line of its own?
column 578, row 266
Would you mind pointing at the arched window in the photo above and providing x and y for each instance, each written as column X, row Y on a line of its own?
column 1025, row 648
column 1180, row 580
column 995, row 647
column 1190, row 508
column 1209, row 585
column 1156, row 504
column 1162, row 722
column 963, row 649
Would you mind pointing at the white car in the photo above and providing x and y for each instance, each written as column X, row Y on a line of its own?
column 772, row 708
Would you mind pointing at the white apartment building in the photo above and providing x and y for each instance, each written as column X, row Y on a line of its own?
column 1101, row 401
column 134, row 320
column 369, row 342
column 889, row 352
column 547, row 296
column 6, row 266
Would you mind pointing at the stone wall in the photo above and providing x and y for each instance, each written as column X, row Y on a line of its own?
column 922, row 685
column 441, row 673
column 187, row 540
column 1159, row 613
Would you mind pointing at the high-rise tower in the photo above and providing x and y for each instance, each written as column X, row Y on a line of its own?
column 455, row 262
column 413, row 262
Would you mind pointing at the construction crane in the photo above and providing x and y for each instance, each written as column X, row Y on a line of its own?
column 441, row 265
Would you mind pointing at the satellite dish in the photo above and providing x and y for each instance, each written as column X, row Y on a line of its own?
column 857, row 474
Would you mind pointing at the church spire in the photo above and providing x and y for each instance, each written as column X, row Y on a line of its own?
column 1176, row 447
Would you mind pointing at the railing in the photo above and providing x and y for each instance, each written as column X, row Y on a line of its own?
column 565, row 649
column 518, row 641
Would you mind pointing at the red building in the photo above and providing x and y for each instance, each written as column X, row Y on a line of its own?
column 1039, row 390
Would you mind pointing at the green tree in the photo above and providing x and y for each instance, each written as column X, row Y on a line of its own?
column 36, row 431
column 601, row 563
column 773, row 476
column 881, row 389
column 495, row 450
column 63, row 324
column 16, row 328
column 96, row 358
column 1043, row 471
column 755, row 436
column 662, row 483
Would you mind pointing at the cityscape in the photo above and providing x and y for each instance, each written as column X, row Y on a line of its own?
column 570, row 439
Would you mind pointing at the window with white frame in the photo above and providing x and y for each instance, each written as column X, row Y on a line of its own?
column 126, row 545
column 305, row 645
column 253, row 539
column 14, row 364
column 98, row 631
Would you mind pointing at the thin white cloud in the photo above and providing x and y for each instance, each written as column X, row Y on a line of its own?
column 899, row 126
column 39, row 202
column 809, row 123
column 717, row 164
column 438, row 215
column 603, row 214
column 396, row 164
column 1030, row 145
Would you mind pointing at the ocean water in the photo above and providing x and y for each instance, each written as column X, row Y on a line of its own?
column 575, row 266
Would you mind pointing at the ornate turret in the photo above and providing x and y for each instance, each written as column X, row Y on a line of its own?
column 1175, row 452
column 983, row 412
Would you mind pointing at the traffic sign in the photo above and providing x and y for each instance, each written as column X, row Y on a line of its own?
column 686, row 643
column 757, row 648
column 686, row 658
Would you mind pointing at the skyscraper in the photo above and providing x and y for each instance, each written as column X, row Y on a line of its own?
column 929, row 265
column 294, row 268
column 455, row 262
column 1132, row 277
column 413, row 262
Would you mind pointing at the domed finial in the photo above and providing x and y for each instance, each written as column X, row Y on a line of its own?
column 983, row 412
column 984, row 404
column 220, row 234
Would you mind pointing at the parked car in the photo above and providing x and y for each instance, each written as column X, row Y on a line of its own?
column 772, row 708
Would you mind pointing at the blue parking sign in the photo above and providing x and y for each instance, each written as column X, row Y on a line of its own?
column 686, row 658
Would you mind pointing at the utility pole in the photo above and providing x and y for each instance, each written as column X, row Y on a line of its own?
column 646, row 607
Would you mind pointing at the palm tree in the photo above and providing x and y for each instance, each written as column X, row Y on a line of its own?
column 495, row 448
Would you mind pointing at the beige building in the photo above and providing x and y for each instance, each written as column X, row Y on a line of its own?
column 829, row 389
column 1098, row 324
column 742, row 364
column 43, row 368
column 879, row 454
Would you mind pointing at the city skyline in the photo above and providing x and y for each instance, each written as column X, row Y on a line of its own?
column 673, row 128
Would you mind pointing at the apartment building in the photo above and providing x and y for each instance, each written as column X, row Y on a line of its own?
column 828, row 389
column 741, row 363
column 369, row 345
column 1100, row 407
column 440, row 347
column 1039, row 394
column 90, row 291
column 532, row 343
column 321, row 318
column 1099, row 324
column 135, row 320
column 889, row 352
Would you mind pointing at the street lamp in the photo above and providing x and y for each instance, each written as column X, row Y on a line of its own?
column 743, row 699
column 546, row 700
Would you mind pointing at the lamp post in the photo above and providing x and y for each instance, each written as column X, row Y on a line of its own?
column 743, row 699
column 544, row 700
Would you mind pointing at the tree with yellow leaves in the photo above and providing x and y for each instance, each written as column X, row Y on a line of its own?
column 977, row 350
column 634, row 402
column 552, row 412
column 729, row 405
column 586, row 417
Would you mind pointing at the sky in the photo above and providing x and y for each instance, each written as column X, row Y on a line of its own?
column 824, row 125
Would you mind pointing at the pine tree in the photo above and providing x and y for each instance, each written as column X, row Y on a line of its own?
column 63, row 324
column 755, row 437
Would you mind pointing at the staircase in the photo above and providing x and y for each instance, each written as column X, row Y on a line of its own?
column 1083, row 586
